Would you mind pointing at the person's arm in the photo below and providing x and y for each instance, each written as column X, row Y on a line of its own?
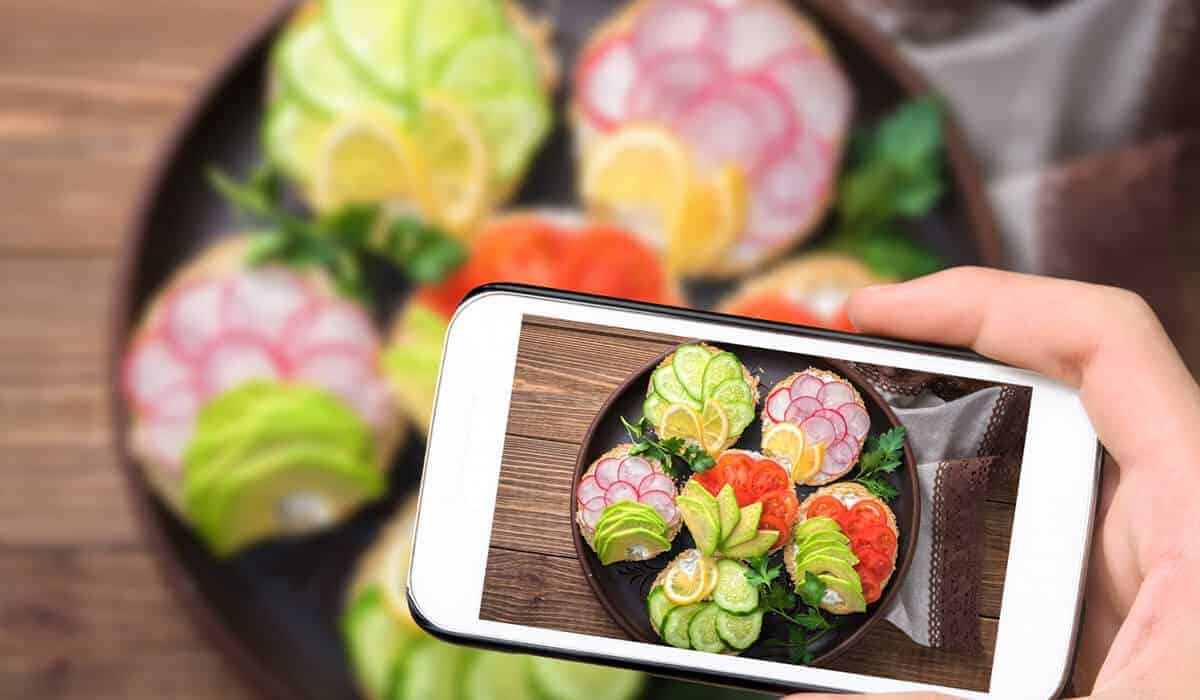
column 1140, row 635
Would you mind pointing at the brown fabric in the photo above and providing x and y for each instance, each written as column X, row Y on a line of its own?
column 1131, row 218
column 910, row 382
column 957, row 557
column 1174, row 91
column 922, row 19
column 1005, row 436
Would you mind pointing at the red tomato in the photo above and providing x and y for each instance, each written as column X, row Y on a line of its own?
column 769, row 476
column 713, row 479
column 780, row 525
column 877, row 537
column 781, row 503
column 774, row 307
column 871, row 590
column 609, row 261
column 826, row 507
column 524, row 249
column 874, row 563
column 865, row 514
column 840, row 321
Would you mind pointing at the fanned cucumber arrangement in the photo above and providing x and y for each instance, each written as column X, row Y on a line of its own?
column 705, row 604
column 342, row 59
column 703, row 394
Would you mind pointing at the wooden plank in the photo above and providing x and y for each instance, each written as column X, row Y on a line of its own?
column 533, row 500
column 997, row 533
column 542, row 591
column 100, row 623
column 885, row 651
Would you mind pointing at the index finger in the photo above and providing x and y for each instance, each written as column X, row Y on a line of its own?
column 1103, row 340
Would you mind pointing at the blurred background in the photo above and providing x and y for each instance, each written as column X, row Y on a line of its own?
column 1080, row 117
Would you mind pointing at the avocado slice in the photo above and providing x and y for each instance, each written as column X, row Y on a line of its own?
column 757, row 546
column 634, row 541
column 826, row 549
column 828, row 537
column 411, row 365
column 613, row 523
column 824, row 564
column 851, row 599
column 697, row 491
column 814, row 525
column 727, row 509
column 747, row 525
column 290, row 490
column 630, row 508
column 704, row 523
column 373, row 640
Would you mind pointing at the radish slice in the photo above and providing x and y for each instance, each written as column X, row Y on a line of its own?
column 606, row 75
column 588, row 490
column 806, row 385
column 342, row 370
column 858, row 421
column 838, row 457
column 752, row 33
column 164, row 440
column 152, row 367
column 800, row 409
column 606, row 471
column 769, row 103
column 777, row 404
column 767, row 225
column 177, row 402
column 633, row 470
column 592, row 510
column 620, row 491
column 818, row 429
column 723, row 129
column 817, row 90
column 192, row 316
column 674, row 25
column 237, row 359
column 798, row 180
column 662, row 502
column 839, row 423
column 261, row 301
column 331, row 323
column 835, row 394
column 656, row 482
column 670, row 83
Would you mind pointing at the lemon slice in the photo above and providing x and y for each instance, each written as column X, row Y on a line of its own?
column 639, row 176
column 681, row 420
column 714, row 426
column 809, row 463
column 456, row 157
column 709, row 566
column 686, row 580
column 394, row 575
column 366, row 158
column 708, row 224
column 785, row 443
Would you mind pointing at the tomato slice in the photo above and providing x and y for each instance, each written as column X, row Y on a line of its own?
column 871, row 511
column 606, row 260
column 877, row 537
column 874, row 563
column 781, row 504
column 769, row 476
column 773, row 306
column 826, row 507
column 772, row 522
column 713, row 479
column 871, row 589
column 840, row 321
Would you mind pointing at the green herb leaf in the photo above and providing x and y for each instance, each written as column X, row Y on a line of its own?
column 761, row 572
column 882, row 456
column 811, row 590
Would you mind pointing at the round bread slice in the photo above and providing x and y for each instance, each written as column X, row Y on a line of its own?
column 227, row 256
column 848, row 493
column 820, row 478
column 750, row 379
column 620, row 452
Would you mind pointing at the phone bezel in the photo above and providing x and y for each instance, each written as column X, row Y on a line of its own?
column 485, row 633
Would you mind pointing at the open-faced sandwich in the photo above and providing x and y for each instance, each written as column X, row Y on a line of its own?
column 814, row 422
column 809, row 291
column 764, row 498
column 847, row 537
column 626, row 507
column 715, row 127
column 549, row 248
column 427, row 106
column 700, row 602
column 702, row 394
column 258, row 407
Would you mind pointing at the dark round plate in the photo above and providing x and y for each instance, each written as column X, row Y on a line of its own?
column 274, row 609
column 623, row 587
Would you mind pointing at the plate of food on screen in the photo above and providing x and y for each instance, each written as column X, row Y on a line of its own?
column 770, row 513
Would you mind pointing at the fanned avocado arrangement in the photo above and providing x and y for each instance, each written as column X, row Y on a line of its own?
column 270, row 458
column 703, row 395
column 427, row 105
column 719, row 526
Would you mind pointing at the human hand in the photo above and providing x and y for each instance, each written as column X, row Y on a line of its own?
column 1140, row 634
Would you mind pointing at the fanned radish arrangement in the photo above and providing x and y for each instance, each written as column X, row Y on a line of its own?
column 829, row 413
column 744, row 82
column 626, row 507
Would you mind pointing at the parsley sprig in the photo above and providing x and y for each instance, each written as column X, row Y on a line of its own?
column 645, row 442
column 882, row 456
column 341, row 241
column 799, row 608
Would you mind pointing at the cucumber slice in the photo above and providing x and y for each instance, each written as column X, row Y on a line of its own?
column 653, row 407
column 722, row 368
column 739, row 631
column 316, row 74
column 689, row 363
column 702, row 630
column 374, row 640
column 373, row 34
column 675, row 625
column 441, row 28
column 565, row 680
column 497, row 64
column 731, row 391
column 734, row 592
column 667, row 385
column 435, row 671
column 739, row 415
column 513, row 126
column 499, row 677
column 291, row 137
column 657, row 607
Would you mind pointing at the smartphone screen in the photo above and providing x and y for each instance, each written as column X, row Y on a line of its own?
column 752, row 503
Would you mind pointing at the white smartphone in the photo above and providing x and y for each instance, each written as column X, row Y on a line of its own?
column 923, row 524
